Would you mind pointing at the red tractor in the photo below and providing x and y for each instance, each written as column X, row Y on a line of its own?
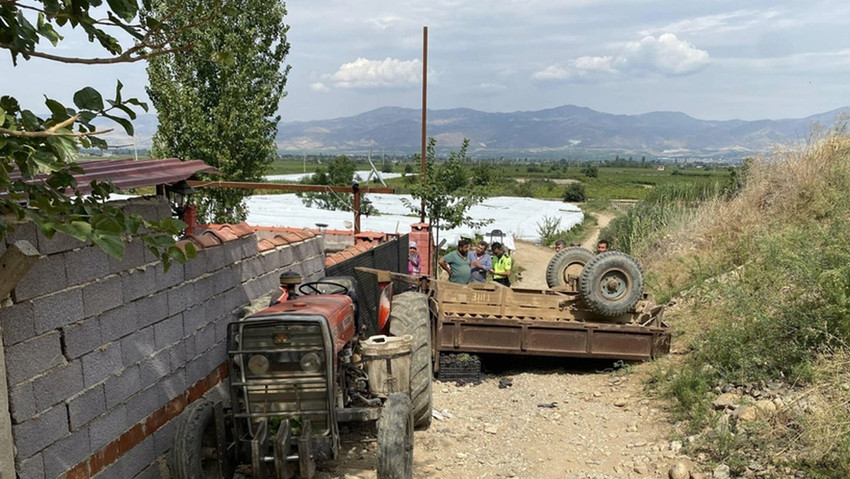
column 300, row 367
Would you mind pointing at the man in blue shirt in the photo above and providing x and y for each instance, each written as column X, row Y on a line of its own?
column 480, row 263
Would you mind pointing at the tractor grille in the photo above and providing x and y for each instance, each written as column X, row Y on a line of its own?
column 282, row 372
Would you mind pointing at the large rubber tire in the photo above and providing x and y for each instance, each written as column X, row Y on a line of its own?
column 611, row 283
column 410, row 315
column 192, row 455
column 568, row 261
column 395, row 438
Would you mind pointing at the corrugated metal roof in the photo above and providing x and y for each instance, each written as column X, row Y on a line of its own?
column 129, row 173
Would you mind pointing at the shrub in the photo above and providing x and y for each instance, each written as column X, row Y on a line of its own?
column 590, row 171
column 575, row 192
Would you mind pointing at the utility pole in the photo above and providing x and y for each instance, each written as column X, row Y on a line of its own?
column 424, row 111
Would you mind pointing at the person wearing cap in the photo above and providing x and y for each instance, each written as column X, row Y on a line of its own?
column 502, row 264
column 413, row 260
column 480, row 263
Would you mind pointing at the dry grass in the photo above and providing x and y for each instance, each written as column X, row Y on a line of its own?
column 762, row 284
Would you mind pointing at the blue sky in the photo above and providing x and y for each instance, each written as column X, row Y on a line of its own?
column 709, row 59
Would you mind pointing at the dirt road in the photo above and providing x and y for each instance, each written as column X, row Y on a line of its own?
column 559, row 418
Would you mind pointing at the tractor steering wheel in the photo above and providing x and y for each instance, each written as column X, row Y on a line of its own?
column 313, row 288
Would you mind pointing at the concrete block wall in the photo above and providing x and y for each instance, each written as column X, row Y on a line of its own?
column 102, row 354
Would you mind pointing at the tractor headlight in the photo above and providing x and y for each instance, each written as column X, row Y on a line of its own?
column 258, row 364
column 311, row 362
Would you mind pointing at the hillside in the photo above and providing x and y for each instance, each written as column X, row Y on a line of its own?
column 760, row 285
column 568, row 130
column 553, row 132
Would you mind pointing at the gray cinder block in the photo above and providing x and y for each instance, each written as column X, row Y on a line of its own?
column 144, row 403
column 58, row 384
column 86, row 406
column 29, row 358
column 22, row 402
column 37, row 433
column 58, row 309
column 194, row 318
column 108, row 427
column 32, row 468
column 134, row 257
column 102, row 363
column 152, row 309
column 66, row 453
column 102, row 295
column 139, row 282
column 181, row 298
column 81, row 337
column 85, row 264
column 138, row 346
column 168, row 331
column 121, row 386
column 45, row 276
column 119, row 322
column 167, row 279
column 155, row 367
column 16, row 323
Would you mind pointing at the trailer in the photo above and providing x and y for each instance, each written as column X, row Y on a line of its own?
column 491, row 318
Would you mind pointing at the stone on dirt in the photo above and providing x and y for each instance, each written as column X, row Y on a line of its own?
column 680, row 470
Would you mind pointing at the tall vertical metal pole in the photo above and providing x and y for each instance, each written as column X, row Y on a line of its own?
column 424, row 111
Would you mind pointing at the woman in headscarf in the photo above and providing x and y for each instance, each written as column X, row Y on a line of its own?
column 413, row 260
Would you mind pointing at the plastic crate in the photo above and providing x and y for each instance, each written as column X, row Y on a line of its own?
column 463, row 368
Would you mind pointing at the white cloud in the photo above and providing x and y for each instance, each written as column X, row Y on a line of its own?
column 319, row 87
column 488, row 87
column 665, row 54
column 726, row 22
column 390, row 72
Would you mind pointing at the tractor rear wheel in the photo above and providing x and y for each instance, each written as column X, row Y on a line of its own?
column 567, row 262
column 194, row 453
column 395, row 438
column 611, row 283
column 410, row 315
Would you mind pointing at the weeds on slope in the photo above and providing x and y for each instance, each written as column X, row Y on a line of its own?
column 763, row 285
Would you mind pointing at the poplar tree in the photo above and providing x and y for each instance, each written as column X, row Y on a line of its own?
column 217, row 95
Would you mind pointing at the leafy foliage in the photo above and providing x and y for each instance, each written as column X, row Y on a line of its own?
column 590, row 171
column 339, row 173
column 38, row 155
column 217, row 95
column 447, row 191
column 575, row 192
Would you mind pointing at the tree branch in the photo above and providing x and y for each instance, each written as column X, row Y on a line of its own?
column 48, row 133
column 123, row 58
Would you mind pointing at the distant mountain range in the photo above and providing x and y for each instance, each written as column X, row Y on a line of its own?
column 566, row 131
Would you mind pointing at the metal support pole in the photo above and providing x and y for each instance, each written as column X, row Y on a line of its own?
column 356, row 190
column 424, row 111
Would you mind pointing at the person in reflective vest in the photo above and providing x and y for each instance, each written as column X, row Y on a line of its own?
column 502, row 264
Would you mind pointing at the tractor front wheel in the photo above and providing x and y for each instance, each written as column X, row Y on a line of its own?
column 194, row 453
column 395, row 438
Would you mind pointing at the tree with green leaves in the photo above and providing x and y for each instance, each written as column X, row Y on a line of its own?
column 217, row 94
column 448, row 190
column 38, row 154
column 339, row 172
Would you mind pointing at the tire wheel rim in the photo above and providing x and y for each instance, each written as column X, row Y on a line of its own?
column 613, row 285
column 573, row 270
